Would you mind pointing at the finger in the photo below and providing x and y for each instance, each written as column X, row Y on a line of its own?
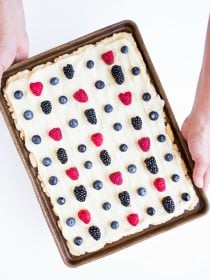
column 184, row 128
column 206, row 179
column 199, row 171
column 22, row 52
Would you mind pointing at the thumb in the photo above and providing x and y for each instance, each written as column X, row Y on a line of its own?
column 199, row 172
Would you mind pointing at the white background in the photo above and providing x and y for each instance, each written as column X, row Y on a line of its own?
column 174, row 33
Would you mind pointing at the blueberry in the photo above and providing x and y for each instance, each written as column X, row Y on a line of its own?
column 123, row 147
column 124, row 49
column 117, row 126
column 54, row 81
column 175, row 177
column 78, row 240
column 161, row 138
column 82, row 148
column 88, row 164
column 99, row 84
column 114, row 225
column 70, row 222
column 135, row 71
column 53, row 180
column 97, row 185
column 28, row 115
column 63, row 99
column 107, row 206
column 131, row 168
column 153, row 115
column 36, row 139
column 151, row 211
column 186, row 197
column 108, row 108
column 146, row 96
column 169, row 157
column 61, row 200
column 73, row 123
column 18, row 94
column 90, row 64
column 142, row 191
column 46, row 161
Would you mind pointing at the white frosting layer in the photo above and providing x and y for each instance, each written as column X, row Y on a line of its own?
column 41, row 124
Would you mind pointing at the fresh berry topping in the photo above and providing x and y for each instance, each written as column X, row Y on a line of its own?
column 97, row 185
column 150, row 211
column 118, row 74
column 91, row 116
column 28, row 115
column 106, row 206
column 186, row 197
column 136, row 122
column 123, row 147
column 125, row 98
column 82, row 148
column 88, row 164
column 36, row 139
column 146, row 96
column 168, row 204
column 90, row 64
column 175, row 177
column 131, row 168
column 124, row 49
column 151, row 165
column 72, row 173
column 161, row 138
column 142, row 191
column 61, row 200
column 62, row 155
column 46, row 107
column 108, row 108
column 160, row 184
column 135, row 71
column 114, row 225
column 55, row 134
column 153, row 116
column 78, row 240
column 97, row 139
column 46, row 161
column 54, row 81
column 124, row 198
column 116, row 178
column 81, row 96
column 36, row 88
column 95, row 232
column 99, row 84
column 73, row 123
column 70, row 222
column 63, row 99
column 117, row 126
column 80, row 193
column 108, row 57
column 105, row 157
column 133, row 219
column 169, row 157
column 84, row 215
column 18, row 94
column 53, row 180
column 68, row 71
column 144, row 144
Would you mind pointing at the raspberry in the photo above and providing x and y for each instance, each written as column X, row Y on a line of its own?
column 144, row 144
column 81, row 96
column 124, row 198
column 168, row 204
column 91, row 116
column 84, row 215
column 97, row 139
column 125, row 98
column 36, row 88
column 95, row 232
column 151, row 165
column 62, row 155
column 116, row 178
column 108, row 57
column 68, row 71
column 118, row 74
column 136, row 122
column 72, row 173
column 133, row 219
column 160, row 184
column 56, row 134
column 46, row 107
column 80, row 193
column 105, row 157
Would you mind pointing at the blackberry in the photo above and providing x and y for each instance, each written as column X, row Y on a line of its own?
column 105, row 157
column 68, row 71
column 62, row 155
column 80, row 193
column 95, row 232
column 151, row 165
column 124, row 198
column 91, row 116
column 46, row 107
column 118, row 74
column 136, row 122
column 168, row 204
